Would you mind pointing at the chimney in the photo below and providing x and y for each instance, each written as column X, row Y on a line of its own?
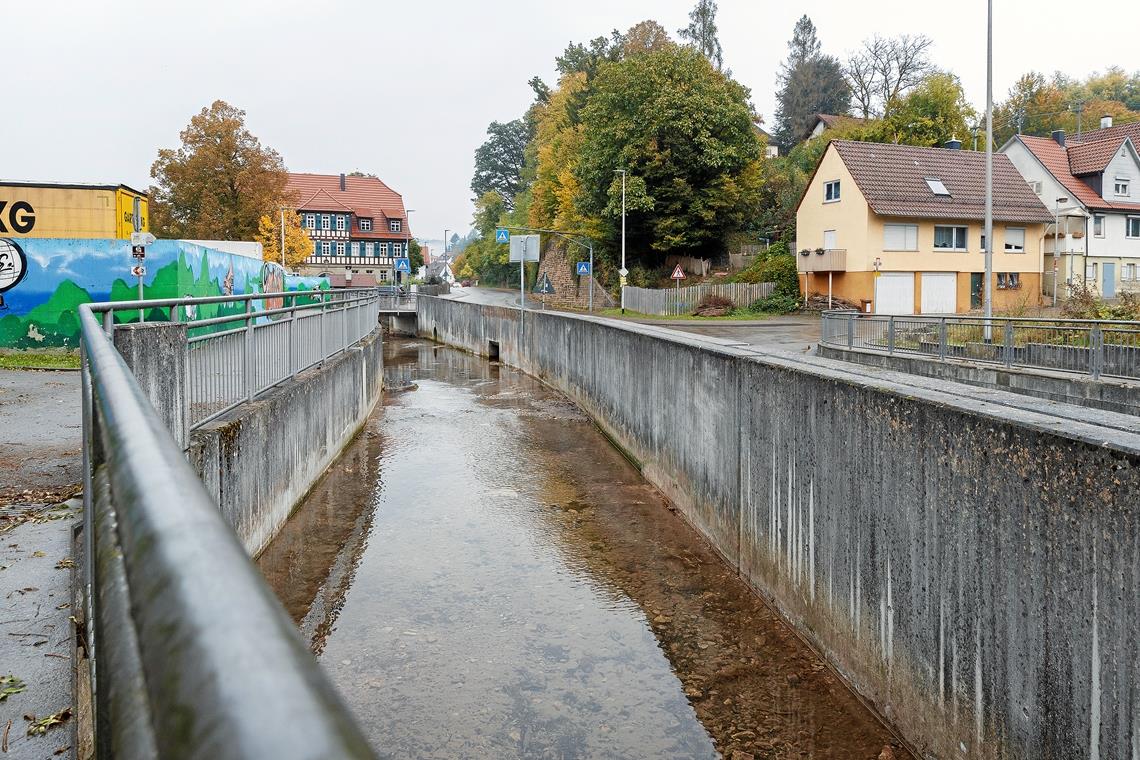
column 342, row 182
column 1106, row 121
column 1058, row 136
column 953, row 145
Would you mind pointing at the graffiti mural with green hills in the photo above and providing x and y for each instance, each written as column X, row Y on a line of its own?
column 40, row 312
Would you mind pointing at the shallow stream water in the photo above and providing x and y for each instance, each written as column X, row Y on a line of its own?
column 485, row 576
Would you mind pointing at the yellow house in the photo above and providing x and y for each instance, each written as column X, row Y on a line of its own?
column 62, row 210
column 899, row 229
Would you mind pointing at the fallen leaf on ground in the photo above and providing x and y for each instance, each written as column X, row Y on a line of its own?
column 40, row 726
column 10, row 685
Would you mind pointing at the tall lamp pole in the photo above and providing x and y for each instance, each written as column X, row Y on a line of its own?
column 988, row 286
column 282, row 237
column 1056, row 240
column 624, row 271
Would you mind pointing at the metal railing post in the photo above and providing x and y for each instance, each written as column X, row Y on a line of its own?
column 109, row 322
column 291, row 351
column 943, row 339
column 851, row 330
column 1008, row 343
column 1096, row 351
column 321, row 327
column 890, row 335
column 250, row 383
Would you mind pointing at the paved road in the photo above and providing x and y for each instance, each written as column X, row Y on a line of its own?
column 791, row 333
column 40, row 464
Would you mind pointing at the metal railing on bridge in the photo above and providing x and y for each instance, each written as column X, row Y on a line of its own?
column 241, row 346
column 1092, row 347
column 189, row 654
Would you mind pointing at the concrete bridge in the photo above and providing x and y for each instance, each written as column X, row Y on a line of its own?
column 964, row 557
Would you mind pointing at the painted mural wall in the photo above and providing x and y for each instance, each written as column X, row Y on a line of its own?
column 39, row 311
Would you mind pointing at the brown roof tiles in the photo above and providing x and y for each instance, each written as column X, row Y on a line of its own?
column 893, row 180
column 363, row 196
column 1058, row 161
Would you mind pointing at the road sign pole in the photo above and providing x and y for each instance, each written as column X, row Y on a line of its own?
column 142, row 316
column 591, row 277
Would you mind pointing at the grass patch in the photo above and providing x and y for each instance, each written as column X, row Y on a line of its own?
column 39, row 359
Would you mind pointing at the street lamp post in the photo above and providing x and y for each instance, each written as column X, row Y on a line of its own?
column 1056, row 240
column 988, row 287
column 624, row 271
column 408, row 232
column 282, row 209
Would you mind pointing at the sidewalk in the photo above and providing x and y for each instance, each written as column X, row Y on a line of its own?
column 40, row 466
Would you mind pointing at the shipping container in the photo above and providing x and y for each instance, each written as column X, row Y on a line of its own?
column 58, row 210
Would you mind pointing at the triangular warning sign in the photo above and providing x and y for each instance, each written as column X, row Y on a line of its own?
column 678, row 273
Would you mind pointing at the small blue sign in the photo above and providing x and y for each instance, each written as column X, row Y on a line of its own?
column 583, row 268
column 403, row 265
column 502, row 235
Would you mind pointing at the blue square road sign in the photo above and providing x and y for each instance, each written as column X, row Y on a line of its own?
column 502, row 235
column 403, row 265
column 583, row 268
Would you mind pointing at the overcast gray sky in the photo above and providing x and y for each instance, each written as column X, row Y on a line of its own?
column 406, row 89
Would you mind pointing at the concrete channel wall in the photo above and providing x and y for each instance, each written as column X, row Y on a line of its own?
column 259, row 460
column 1111, row 394
column 972, row 569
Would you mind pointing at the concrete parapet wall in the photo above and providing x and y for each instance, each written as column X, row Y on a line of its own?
column 970, row 568
column 1109, row 394
column 259, row 461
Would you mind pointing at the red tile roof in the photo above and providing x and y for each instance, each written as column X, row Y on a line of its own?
column 1091, row 152
column 363, row 196
column 1057, row 161
column 893, row 180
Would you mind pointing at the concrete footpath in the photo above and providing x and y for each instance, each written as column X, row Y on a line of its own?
column 40, row 468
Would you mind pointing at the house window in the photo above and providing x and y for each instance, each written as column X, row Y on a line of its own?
column 1035, row 186
column 325, row 221
column 383, row 249
column 369, row 249
column 950, row 238
column 1090, row 271
column 340, row 222
column 831, row 191
column 1098, row 225
column 1128, row 272
column 325, row 248
column 1015, row 240
column 1120, row 187
column 937, row 187
column 397, row 249
column 356, row 249
column 900, row 237
column 365, row 225
column 829, row 240
column 311, row 221
column 383, row 275
column 1008, row 280
column 394, row 225
column 1132, row 227
column 340, row 249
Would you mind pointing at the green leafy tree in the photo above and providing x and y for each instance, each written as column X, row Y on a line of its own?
column 219, row 183
column 499, row 161
column 932, row 113
column 645, row 37
column 810, row 83
column 684, row 133
column 701, row 32
column 415, row 254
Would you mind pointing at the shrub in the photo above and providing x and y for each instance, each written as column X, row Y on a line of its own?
column 782, row 271
column 777, row 303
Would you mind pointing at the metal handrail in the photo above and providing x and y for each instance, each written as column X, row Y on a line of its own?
column 191, row 655
column 1085, row 346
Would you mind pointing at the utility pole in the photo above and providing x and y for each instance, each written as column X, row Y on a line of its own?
column 282, row 237
column 988, row 285
column 624, row 271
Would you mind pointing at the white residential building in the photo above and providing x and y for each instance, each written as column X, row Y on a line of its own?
column 1092, row 183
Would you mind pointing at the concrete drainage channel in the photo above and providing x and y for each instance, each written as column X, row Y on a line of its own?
column 890, row 522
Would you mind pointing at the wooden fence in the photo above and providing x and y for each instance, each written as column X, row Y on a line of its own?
column 675, row 301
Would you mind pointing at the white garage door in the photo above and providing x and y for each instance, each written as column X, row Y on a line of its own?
column 939, row 292
column 894, row 293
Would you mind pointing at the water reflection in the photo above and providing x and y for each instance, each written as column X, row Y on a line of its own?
column 485, row 576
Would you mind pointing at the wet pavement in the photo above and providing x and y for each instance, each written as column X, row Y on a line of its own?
column 791, row 333
column 40, row 465
column 485, row 576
